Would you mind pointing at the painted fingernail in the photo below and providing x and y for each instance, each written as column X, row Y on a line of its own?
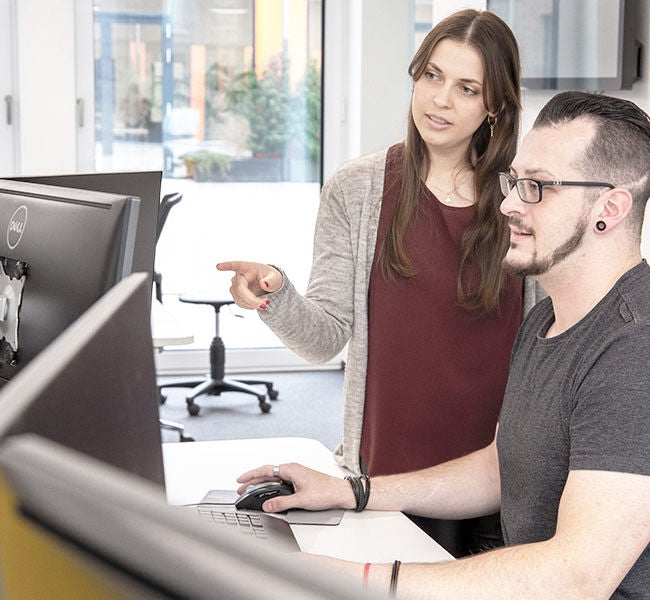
column 267, row 301
column 262, row 306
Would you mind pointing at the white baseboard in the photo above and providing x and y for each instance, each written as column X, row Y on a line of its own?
column 249, row 360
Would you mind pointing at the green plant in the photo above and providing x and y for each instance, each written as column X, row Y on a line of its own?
column 264, row 101
column 205, row 164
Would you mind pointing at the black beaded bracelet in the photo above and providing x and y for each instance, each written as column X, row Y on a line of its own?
column 393, row 577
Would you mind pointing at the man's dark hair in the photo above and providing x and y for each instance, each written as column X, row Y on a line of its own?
column 620, row 149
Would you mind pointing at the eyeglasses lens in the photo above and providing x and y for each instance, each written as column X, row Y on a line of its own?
column 506, row 185
column 528, row 190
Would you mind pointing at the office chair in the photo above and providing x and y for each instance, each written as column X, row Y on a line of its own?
column 177, row 427
column 166, row 204
column 216, row 383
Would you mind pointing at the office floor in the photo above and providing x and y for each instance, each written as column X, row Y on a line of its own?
column 310, row 404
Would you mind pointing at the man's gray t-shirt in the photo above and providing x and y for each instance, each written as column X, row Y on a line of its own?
column 577, row 401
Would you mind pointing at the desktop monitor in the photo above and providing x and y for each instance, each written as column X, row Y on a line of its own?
column 100, row 533
column 60, row 250
column 79, row 438
column 144, row 185
column 93, row 389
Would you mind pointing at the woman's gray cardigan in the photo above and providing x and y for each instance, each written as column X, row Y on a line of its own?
column 334, row 310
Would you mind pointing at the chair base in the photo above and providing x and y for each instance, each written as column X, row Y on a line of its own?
column 214, row 387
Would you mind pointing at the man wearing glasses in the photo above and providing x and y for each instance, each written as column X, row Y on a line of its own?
column 569, row 467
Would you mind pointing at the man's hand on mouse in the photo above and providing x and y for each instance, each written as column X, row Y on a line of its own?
column 313, row 490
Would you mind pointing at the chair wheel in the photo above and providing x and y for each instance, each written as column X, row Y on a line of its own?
column 161, row 397
column 193, row 409
column 186, row 438
column 273, row 394
column 265, row 407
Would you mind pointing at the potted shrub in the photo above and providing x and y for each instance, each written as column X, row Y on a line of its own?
column 264, row 101
column 205, row 165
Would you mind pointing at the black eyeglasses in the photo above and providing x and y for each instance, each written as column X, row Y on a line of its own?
column 530, row 190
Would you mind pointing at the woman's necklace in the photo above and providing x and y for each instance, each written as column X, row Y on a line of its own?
column 453, row 197
column 447, row 195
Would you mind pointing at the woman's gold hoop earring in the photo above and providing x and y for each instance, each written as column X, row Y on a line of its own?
column 492, row 121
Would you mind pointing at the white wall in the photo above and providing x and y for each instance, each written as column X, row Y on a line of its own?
column 367, row 86
column 384, row 55
column 389, row 47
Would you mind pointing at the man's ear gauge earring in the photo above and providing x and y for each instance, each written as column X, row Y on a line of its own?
column 601, row 225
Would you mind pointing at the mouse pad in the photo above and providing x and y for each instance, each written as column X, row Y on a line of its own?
column 293, row 516
column 220, row 497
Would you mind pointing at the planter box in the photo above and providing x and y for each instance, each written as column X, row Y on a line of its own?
column 257, row 169
column 265, row 169
column 248, row 169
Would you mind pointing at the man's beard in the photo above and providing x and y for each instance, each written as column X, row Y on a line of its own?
column 538, row 266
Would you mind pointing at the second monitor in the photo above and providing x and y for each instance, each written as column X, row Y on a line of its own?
column 60, row 250
column 144, row 185
column 93, row 389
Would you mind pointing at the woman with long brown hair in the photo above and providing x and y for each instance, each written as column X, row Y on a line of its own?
column 407, row 270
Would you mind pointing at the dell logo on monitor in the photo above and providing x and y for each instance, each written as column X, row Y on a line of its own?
column 16, row 227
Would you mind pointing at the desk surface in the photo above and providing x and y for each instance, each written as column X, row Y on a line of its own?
column 165, row 329
column 191, row 469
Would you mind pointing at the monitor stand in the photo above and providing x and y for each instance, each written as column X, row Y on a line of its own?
column 13, row 274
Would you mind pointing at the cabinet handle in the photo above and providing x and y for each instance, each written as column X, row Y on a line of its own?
column 9, row 104
column 80, row 112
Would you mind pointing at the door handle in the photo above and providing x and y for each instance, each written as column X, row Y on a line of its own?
column 9, row 105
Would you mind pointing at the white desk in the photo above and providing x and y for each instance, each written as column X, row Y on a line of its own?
column 165, row 329
column 371, row 536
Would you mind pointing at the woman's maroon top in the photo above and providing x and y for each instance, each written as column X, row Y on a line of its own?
column 436, row 372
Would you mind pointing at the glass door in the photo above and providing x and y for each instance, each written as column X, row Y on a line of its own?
column 129, row 61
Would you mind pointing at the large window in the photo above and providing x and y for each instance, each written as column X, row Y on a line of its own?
column 422, row 20
column 225, row 97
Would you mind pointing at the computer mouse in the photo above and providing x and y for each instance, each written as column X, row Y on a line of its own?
column 255, row 495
